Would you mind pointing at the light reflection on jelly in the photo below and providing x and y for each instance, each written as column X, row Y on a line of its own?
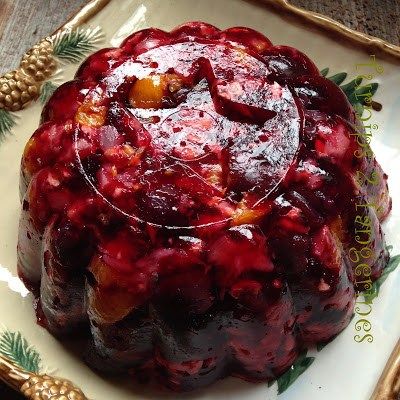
column 13, row 282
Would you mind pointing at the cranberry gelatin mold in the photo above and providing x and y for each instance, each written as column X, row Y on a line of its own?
column 189, row 201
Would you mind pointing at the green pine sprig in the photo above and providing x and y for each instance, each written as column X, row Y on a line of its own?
column 324, row 72
column 338, row 78
column 356, row 90
column 7, row 121
column 14, row 346
column 47, row 89
column 301, row 364
column 73, row 45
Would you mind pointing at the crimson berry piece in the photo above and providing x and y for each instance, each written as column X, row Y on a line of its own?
column 285, row 61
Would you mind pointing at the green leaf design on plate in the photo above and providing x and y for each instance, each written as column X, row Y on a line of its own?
column 300, row 365
column 359, row 108
column 46, row 91
column 73, row 45
column 324, row 72
column 14, row 346
column 350, row 87
column 7, row 121
column 358, row 92
column 338, row 78
column 371, row 294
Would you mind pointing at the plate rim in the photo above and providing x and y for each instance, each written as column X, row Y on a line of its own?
column 323, row 23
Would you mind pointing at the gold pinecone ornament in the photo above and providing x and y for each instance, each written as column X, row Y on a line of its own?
column 50, row 388
column 35, row 386
column 39, row 62
column 18, row 88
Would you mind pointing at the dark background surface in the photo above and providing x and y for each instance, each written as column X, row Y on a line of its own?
column 25, row 22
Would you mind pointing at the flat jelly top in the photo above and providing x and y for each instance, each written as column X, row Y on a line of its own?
column 188, row 130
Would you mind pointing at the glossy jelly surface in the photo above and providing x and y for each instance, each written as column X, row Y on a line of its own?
column 189, row 201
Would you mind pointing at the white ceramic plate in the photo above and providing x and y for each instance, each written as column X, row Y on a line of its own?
column 344, row 369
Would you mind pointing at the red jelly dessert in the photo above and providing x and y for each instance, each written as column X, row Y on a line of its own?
column 192, row 200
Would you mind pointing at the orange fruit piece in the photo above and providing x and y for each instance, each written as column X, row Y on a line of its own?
column 91, row 114
column 150, row 91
